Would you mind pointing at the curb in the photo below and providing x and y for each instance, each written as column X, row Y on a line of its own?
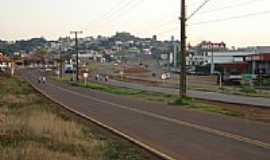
column 114, row 131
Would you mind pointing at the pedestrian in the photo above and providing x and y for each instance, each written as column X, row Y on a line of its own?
column 39, row 79
column 44, row 79
column 96, row 77
column 106, row 78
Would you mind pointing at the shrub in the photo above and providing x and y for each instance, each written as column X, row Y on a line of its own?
column 183, row 101
column 247, row 89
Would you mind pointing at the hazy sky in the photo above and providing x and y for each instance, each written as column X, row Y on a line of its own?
column 23, row 19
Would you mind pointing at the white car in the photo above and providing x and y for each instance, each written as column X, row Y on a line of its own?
column 48, row 69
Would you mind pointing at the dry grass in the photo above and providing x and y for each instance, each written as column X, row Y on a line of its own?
column 31, row 128
column 33, row 151
column 58, row 130
column 67, row 135
column 19, row 99
column 25, row 118
column 12, row 126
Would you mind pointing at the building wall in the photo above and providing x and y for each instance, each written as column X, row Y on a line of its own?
column 204, row 58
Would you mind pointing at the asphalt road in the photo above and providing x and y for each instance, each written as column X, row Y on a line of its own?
column 178, row 133
column 214, row 96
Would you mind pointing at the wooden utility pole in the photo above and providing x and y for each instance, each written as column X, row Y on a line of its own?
column 61, row 61
column 183, row 75
column 77, row 52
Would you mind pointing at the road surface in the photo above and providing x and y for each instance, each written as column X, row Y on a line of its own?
column 175, row 132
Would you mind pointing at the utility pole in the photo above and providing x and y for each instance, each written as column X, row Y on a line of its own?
column 183, row 75
column 61, row 62
column 212, row 59
column 77, row 52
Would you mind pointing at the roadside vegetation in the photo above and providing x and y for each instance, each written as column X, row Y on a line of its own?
column 169, row 99
column 244, row 90
column 34, row 128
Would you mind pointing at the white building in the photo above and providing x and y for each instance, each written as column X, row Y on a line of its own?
column 90, row 55
column 224, row 57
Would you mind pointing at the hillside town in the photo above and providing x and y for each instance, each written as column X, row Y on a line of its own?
column 203, row 59
column 135, row 80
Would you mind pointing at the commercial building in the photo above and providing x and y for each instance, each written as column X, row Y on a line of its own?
column 233, row 64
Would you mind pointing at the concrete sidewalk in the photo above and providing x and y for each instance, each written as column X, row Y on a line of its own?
column 214, row 96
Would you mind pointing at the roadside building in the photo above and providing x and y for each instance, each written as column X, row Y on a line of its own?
column 88, row 56
column 4, row 61
column 233, row 72
column 259, row 63
column 245, row 60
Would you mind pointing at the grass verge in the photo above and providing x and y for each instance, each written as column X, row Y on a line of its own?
column 32, row 127
column 169, row 99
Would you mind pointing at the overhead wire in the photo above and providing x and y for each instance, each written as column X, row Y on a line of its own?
column 111, row 10
column 230, row 18
column 240, row 4
column 128, row 7
column 110, row 13
column 119, row 12
column 198, row 9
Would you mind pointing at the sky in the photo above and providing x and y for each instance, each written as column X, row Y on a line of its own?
column 24, row 19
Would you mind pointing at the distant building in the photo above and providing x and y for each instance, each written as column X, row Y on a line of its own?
column 172, row 38
column 88, row 57
column 147, row 51
column 4, row 60
column 154, row 38
column 205, row 58
column 206, row 51
column 259, row 63
column 252, row 60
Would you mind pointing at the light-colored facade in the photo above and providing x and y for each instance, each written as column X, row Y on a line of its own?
column 224, row 57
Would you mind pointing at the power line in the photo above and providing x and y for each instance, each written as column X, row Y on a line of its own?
column 117, row 13
column 112, row 11
column 128, row 7
column 120, row 10
column 241, row 4
column 198, row 9
column 231, row 18
column 116, row 8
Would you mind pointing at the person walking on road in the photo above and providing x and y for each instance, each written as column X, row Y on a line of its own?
column 44, row 79
column 106, row 78
column 39, row 79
